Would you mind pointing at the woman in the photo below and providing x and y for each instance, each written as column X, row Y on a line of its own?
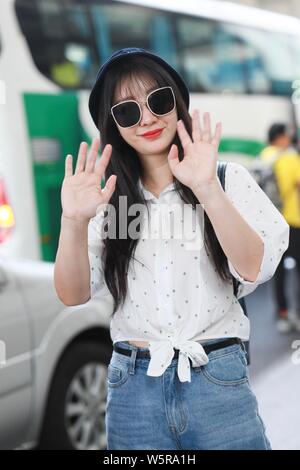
column 178, row 377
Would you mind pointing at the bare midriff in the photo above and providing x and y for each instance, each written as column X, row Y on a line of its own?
column 139, row 344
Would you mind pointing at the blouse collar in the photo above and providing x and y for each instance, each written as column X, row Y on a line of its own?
column 148, row 195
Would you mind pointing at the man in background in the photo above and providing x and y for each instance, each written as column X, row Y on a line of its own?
column 287, row 172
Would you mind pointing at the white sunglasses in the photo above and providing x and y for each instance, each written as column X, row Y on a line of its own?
column 160, row 102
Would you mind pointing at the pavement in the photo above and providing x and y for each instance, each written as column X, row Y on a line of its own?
column 275, row 366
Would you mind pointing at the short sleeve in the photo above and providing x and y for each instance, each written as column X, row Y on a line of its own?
column 261, row 214
column 95, row 247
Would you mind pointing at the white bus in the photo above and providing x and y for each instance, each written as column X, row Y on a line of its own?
column 238, row 62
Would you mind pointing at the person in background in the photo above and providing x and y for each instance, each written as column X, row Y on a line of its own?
column 287, row 172
column 296, row 141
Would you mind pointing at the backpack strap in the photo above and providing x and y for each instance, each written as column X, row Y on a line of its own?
column 221, row 170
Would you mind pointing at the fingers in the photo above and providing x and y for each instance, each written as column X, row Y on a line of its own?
column 68, row 165
column 103, row 162
column 173, row 157
column 217, row 137
column 81, row 157
column 88, row 164
column 206, row 135
column 91, row 159
column 183, row 134
column 109, row 187
column 197, row 131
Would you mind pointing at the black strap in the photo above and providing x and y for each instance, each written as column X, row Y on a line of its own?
column 221, row 174
column 207, row 348
column 221, row 170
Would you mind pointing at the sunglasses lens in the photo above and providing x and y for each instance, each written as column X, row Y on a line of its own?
column 161, row 101
column 127, row 114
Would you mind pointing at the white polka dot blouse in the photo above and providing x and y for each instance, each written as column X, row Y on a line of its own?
column 175, row 297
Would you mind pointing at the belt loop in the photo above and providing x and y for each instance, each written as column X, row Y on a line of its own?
column 133, row 359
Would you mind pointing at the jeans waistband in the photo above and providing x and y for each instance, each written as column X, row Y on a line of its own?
column 144, row 353
column 125, row 345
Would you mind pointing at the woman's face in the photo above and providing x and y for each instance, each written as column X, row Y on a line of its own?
column 138, row 90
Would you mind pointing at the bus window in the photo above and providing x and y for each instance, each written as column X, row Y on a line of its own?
column 117, row 25
column 219, row 56
column 123, row 25
column 60, row 40
column 68, row 41
column 215, row 60
column 279, row 54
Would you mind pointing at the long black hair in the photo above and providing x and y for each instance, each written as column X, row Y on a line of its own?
column 125, row 163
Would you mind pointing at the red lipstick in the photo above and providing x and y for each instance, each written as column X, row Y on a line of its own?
column 151, row 134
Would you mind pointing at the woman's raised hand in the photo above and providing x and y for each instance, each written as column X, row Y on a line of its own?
column 198, row 167
column 81, row 195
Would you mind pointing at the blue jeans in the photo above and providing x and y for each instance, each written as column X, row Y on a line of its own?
column 216, row 410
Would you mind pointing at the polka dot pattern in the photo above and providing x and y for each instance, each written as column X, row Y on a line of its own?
column 174, row 292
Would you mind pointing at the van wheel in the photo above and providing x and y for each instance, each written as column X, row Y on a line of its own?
column 75, row 411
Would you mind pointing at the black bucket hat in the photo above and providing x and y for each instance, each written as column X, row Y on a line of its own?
column 132, row 51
